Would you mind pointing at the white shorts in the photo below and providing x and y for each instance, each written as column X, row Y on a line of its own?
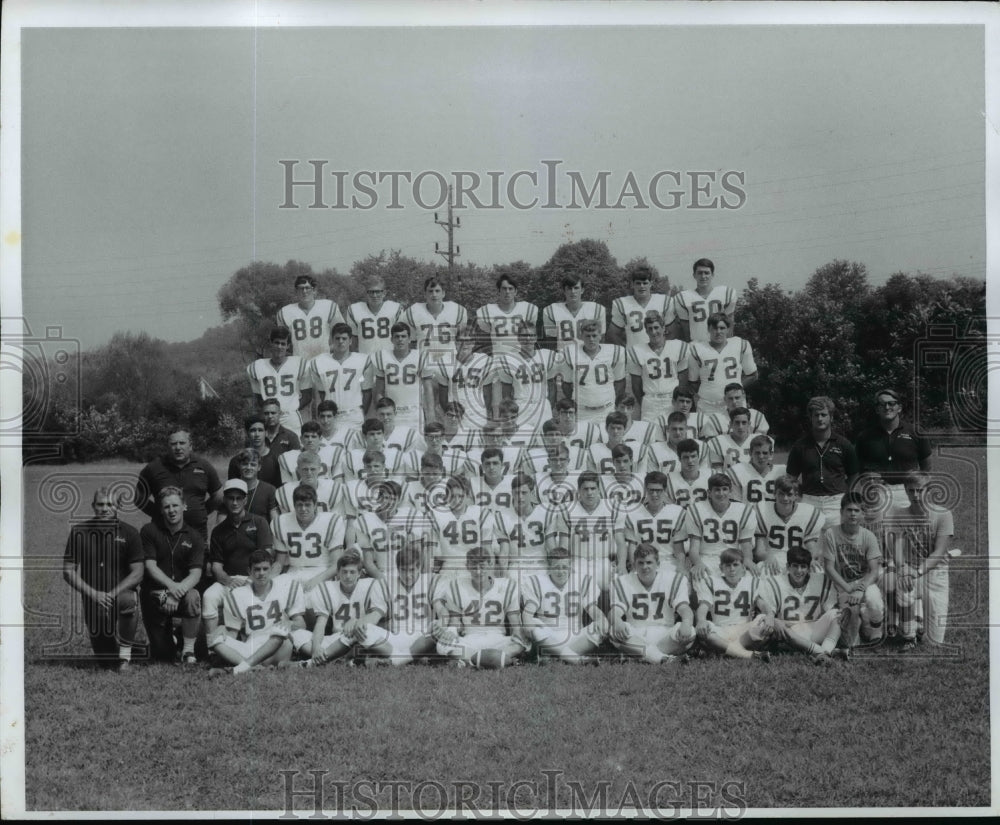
column 472, row 643
column 829, row 506
column 755, row 630
column 666, row 639
column 579, row 640
column 247, row 647
column 408, row 645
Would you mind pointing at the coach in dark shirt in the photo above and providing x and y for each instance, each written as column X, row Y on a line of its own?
column 825, row 461
column 279, row 439
column 892, row 448
column 174, row 557
column 193, row 474
column 104, row 563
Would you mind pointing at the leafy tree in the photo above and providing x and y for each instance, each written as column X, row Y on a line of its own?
column 588, row 259
column 255, row 293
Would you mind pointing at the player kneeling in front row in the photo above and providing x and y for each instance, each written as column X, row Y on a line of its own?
column 731, row 600
column 853, row 562
column 646, row 603
column 355, row 605
column 553, row 606
column 480, row 609
column 803, row 606
column 263, row 619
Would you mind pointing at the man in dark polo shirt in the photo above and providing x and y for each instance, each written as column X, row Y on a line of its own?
column 104, row 563
column 267, row 468
column 892, row 448
column 278, row 439
column 175, row 555
column 233, row 540
column 180, row 468
column 262, row 498
column 824, row 461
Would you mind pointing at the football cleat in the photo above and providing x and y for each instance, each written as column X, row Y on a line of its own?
column 821, row 660
column 189, row 659
column 761, row 656
column 908, row 646
column 124, row 666
column 842, row 654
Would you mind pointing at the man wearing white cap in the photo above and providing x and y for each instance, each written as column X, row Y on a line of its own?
column 233, row 540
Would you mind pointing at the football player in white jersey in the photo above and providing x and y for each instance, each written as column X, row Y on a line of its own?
column 658, row 522
column 428, row 489
column 533, row 530
column 332, row 435
column 599, row 454
column 731, row 601
column 557, row 485
column 284, row 378
column 753, row 481
column 662, row 455
column 528, row 377
column 803, row 607
column 310, row 320
column 689, row 484
column 410, row 592
column 373, row 440
column 694, row 306
column 467, row 378
column 365, row 493
column 371, row 320
column 331, row 459
column 398, row 374
column 308, row 543
column 379, row 533
column 629, row 311
column 309, row 471
column 396, row 436
column 593, row 374
column 735, row 396
column 263, row 620
column 623, row 489
column 716, row 524
column 480, row 608
column 715, row 364
column 459, row 525
column 491, row 489
column 561, row 319
column 343, row 377
column 638, row 433
column 553, row 604
column 732, row 447
column 646, row 605
column 682, row 400
column 657, row 367
column 504, row 319
column 786, row 523
column 355, row 605
column 576, row 433
column 436, row 321
column 596, row 538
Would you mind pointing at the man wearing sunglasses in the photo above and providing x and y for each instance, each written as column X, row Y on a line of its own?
column 892, row 448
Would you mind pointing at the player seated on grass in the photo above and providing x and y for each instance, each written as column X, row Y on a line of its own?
column 355, row 606
column 803, row 607
column 263, row 620
column 730, row 599
column 307, row 542
column 646, row 605
column 480, row 609
column 852, row 560
column 554, row 603
column 410, row 594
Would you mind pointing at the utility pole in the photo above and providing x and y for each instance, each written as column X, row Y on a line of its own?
column 450, row 226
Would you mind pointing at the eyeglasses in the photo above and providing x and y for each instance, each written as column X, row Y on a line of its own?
column 306, row 288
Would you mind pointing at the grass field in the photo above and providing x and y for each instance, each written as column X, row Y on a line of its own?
column 886, row 730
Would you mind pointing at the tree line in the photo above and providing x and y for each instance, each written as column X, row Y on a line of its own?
column 838, row 336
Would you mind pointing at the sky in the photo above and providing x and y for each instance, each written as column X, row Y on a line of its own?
column 151, row 157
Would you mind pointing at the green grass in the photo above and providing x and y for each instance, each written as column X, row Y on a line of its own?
column 886, row 730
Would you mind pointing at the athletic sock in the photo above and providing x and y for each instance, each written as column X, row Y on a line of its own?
column 188, row 646
column 125, row 653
